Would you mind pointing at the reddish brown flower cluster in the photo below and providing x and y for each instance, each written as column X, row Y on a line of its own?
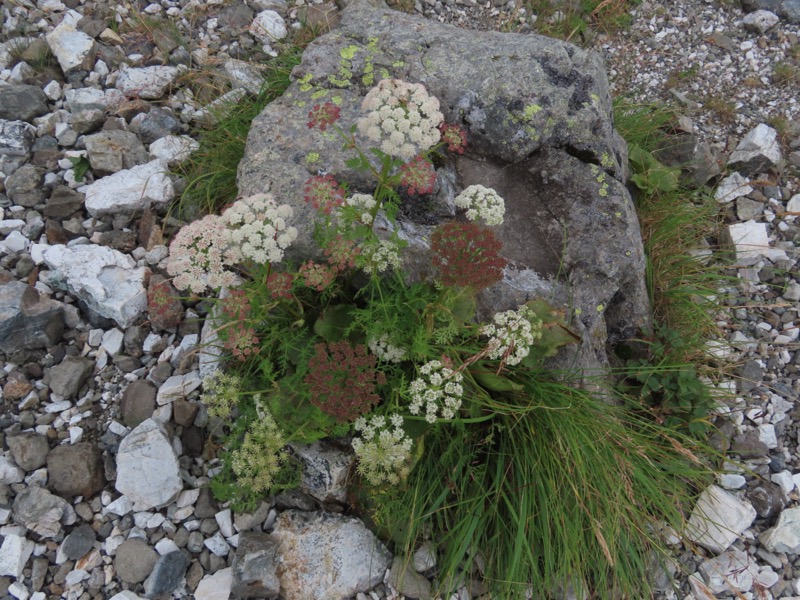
column 324, row 115
column 316, row 276
column 280, row 285
column 454, row 137
column 342, row 380
column 341, row 253
column 324, row 193
column 241, row 340
column 467, row 255
column 418, row 176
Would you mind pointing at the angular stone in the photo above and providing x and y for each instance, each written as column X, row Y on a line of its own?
column 309, row 541
column 760, row 21
column 78, row 543
column 255, row 567
column 173, row 149
column 216, row 586
column 106, row 280
column 268, row 26
column 42, row 512
column 785, row 536
column 74, row 50
column 134, row 560
column 523, row 104
column 138, row 402
column 63, row 203
column 66, row 378
column 129, row 190
column 326, row 470
column 407, row 581
column 88, row 98
column 758, row 151
column 147, row 468
column 28, row 320
column 732, row 187
column 76, row 470
column 158, row 123
column 166, row 575
column 16, row 141
column 28, row 449
column 14, row 554
column 749, row 240
column 24, row 186
column 718, row 519
column 22, row 102
column 9, row 471
column 113, row 151
column 149, row 83
column 787, row 9
column 178, row 386
column 731, row 571
column 164, row 306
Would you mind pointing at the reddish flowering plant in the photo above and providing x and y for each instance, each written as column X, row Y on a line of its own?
column 418, row 176
column 467, row 255
column 454, row 137
column 342, row 380
column 279, row 285
column 242, row 342
column 316, row 276
column 324, row 193
column 236, row 306
column 323, row 115
column 342, row 253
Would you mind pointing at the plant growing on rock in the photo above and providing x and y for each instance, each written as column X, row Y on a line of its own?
column 347, row 343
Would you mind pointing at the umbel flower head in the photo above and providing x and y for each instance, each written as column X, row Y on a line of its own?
column 467, row 255
column 438, row 390
column 418, row 176
column 199, row 255
column 258, row 229
column 511, row 334
column 482, row 203
column 323, row 115
column 261, row 455
column 383, row 449
column 402, row 117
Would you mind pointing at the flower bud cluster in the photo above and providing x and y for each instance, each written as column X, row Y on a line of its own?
column 512, row 334
column 439, row 391
column 379, row 257
column 363, row 203
column 252, row 229
column 383, row 449
column 482, row 203
column 385, row 351
column 402, row 116
column 261, row 455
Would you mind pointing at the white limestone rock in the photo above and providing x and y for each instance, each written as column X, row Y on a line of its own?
column 9, row 471
column 178, row 386
column 173, row 149
column 14, row 553
column 718, row 519
column 149, row 83
column 106, row 280
column 731, row 571
column 732, row 187
column 785, row 536
column 147, row 468
column 760, row 21
column 84, row 98
column 757, row 152
column 216, row 586
column 74, row 50
column 750, row 242
column 129, row 190
column 268, row 26
column 16, row 141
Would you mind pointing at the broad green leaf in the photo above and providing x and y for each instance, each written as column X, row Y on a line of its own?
column 333, row 322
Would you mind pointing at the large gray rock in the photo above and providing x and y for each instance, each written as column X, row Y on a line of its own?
column 308, row 543
column 538, row 116
column 76, row 470
column 147, row 468
column 24, row 186
column 718, row 518
column 42, row 512
column 22, row 102
column 74, row 50
column 66, row 378
column 758, row 151
column 130, row 190
column 16, row 141
column 106, row 280
column 28, row 320
column 28, row 449
column 788, row 9
column 14, row 553
column 255, row 567
column 149, row 83
column 785, row 536
column 326, row 470
column 112, row 151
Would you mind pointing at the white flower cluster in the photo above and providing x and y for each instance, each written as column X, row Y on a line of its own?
column 261, row 455
column 512, row 334
column 402, row 116
column 383, row 450
column 439, row 391
column 363, row 203
column 199, row 255
column 482, row 203
column 253, row 228
column 386, row 351
column 380, row 257
column 258, row 228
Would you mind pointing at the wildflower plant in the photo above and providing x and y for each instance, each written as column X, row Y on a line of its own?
column 345, row 343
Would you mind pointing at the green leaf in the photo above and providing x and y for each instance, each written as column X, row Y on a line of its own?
column 334, row 321
column 494, row 382
column 80, row 164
